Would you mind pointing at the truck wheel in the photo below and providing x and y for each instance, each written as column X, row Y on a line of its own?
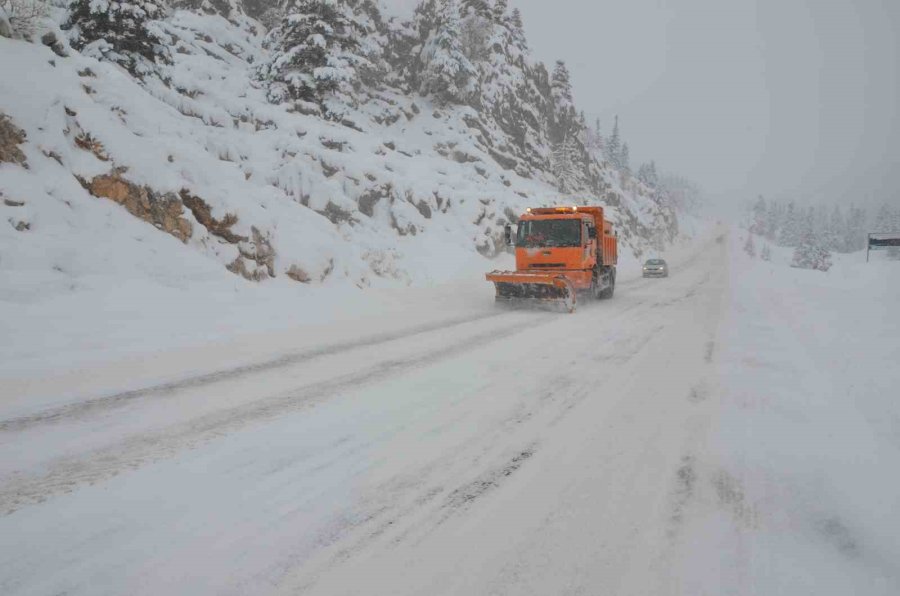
column 595, row 291
column 609, row 290
column 570, row 297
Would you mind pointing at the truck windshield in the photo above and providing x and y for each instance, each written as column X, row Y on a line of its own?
column 549, row 232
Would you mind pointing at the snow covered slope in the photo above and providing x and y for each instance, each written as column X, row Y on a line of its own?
column 244, row 183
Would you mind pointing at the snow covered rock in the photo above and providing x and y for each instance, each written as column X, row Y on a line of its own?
column 10, row 139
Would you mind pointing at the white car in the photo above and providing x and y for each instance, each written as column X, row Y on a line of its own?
column 656, row 268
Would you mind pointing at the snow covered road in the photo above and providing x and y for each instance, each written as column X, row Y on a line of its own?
column 498, row 452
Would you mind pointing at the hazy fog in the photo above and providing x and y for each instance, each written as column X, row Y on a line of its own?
column 789, row 98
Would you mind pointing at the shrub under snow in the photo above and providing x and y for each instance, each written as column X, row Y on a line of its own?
column 811, row 254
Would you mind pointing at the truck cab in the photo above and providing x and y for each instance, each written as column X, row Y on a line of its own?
column 566, row 242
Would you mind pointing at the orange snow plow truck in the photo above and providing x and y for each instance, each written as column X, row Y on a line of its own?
column 560, row 252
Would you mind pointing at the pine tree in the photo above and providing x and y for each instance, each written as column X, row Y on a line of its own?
column 402, row 46
column 564, row 164
column 517, row 19
column 479, row 7
column 476, row 30
column 567, row 133
column 447, row 74
column 594, row 140
column 122, row 32
column 758, row 216
column 563, row 118
column 625, row 160
column 791, row 227
column 749, row 246
column 614, row 147
column 810, row 252
column 318, row 56
column 647, row 174
column 642, row 174
column 500, row 9
column 225, row 8
column 773, row 221
column 834, row 231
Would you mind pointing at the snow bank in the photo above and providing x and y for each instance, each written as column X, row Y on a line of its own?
column 803, row 491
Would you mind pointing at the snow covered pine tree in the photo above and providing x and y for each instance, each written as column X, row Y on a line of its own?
column 749, row 246
column 446, row 73
column 625, row 159
column 758, row 216
column 564, row 128
column 614, row 147
column 810, row 252
column 322, row 52
column 124, row 32
column 647, row 174
column 790, row 232
column 225, row 8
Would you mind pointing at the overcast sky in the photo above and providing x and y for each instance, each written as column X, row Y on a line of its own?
column 788, row 98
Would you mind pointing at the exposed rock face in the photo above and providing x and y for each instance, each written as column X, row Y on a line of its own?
column 298, row 274
column 10, row 138
column 164, row 211
column 335, row 214
column 20, row 225
column 256, row 261
column 424, row 209
column 370, row 198
column 50, row 40
column 256, row 256
column 203, row 214
column 87, row 142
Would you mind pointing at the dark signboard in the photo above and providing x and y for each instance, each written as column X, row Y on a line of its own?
column 884, row 242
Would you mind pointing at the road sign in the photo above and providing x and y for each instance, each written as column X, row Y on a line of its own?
column 882, row 241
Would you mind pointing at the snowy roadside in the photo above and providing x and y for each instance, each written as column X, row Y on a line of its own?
column 798, row 491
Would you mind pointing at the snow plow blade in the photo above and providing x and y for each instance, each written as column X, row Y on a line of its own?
column 513, row 287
